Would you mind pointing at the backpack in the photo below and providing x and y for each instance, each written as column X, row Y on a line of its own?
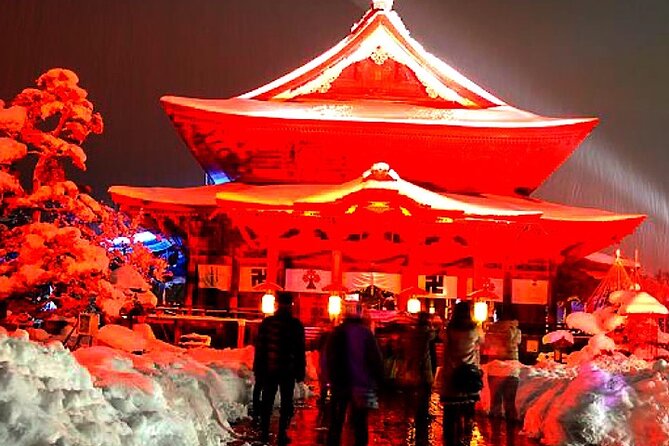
column 468, row 378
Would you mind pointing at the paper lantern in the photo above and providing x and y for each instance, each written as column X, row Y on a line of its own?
column 413, row 305
column 480, row 311
column 267, row 305
column 334, row 306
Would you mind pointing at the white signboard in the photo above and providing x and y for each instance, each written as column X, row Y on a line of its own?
column 527, row 291
column 496, row 286
column 251, row 276
column 214, row 276
column 446, row 286
column 307, row 280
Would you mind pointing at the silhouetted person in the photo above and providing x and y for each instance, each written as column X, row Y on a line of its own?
column 355, row 370
column 501, row 344
column 323, row 379
column 259, row 375
column 419, row 369
column 280, row 361
column 460, row 347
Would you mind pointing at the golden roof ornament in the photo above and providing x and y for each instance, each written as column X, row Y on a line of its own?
column 386, row 5
column 380, row 172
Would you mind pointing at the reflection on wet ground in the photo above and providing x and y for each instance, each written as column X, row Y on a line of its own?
column 392, row 425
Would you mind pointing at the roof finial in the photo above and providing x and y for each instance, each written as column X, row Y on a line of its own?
column 385, row 5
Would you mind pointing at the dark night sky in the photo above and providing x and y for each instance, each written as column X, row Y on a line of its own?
column 605, row 58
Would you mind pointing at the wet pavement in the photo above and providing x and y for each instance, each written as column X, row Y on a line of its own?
column 392, row 425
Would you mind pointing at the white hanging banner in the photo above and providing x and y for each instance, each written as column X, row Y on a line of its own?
column 495, row 285
column 386, row 281
column 527, row 291
column 445, row 286
column 251, row 276
column 214, row 276
column 307, row 280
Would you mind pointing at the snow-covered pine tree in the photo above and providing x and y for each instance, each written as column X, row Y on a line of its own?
column 53, row 235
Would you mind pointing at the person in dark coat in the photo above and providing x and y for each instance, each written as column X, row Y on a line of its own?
column 419, row 367
column 355, row 370
column 461, row 346
column 323, row 380
column 259, row 372
column 280, row 361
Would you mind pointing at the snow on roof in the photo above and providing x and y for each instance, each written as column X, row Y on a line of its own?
column 365, row 110
column 191, row 198
column 643, row 303
column 606, row 259
column 283, row 195
column 379, row 36
column 556, row 336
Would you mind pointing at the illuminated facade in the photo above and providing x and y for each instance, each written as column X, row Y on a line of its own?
column 375, row 164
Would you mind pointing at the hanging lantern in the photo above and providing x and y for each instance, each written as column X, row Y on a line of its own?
column 432, row 310
column 413, row 305
column 480, row 312
column 334, row 306
column 267, row 304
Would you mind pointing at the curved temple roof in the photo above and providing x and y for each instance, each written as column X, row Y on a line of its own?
column 380, row 198
column 377, row 94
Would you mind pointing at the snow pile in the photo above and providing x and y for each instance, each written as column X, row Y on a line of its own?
column 589, row 409
column 127, row 285
column 241, row 362
column 130, row 390
column 48, row 398
column 611, row 400
column 104, row 396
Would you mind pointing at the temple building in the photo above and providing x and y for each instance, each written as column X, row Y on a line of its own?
column 374, row 166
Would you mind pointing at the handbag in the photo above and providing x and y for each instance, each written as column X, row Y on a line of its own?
column 468, row 378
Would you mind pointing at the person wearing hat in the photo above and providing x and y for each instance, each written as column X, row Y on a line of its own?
column 280, row 361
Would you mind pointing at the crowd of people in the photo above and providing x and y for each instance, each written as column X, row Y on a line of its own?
column 351, row 371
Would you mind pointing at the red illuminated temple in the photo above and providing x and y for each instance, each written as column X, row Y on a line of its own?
column 373, row 164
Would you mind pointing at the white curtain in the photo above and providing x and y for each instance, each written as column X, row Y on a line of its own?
column 386, row 281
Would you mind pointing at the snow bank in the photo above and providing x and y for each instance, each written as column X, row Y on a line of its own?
column 130, row 390
column 611, row 400
column 105, row 396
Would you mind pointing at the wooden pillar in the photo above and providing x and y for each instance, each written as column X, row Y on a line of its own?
column 272, row 261
column 409, row 279
column 234, row 281
column 177, row 331
column 551, row 307
column 507, row 290
column 241, row 331
column 337, row 273
column 194, row 245
column 476, row 279
column 476, row 258
column 414, row 238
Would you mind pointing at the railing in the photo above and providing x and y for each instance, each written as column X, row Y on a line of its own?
column 189, row 319
column 238, row 313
